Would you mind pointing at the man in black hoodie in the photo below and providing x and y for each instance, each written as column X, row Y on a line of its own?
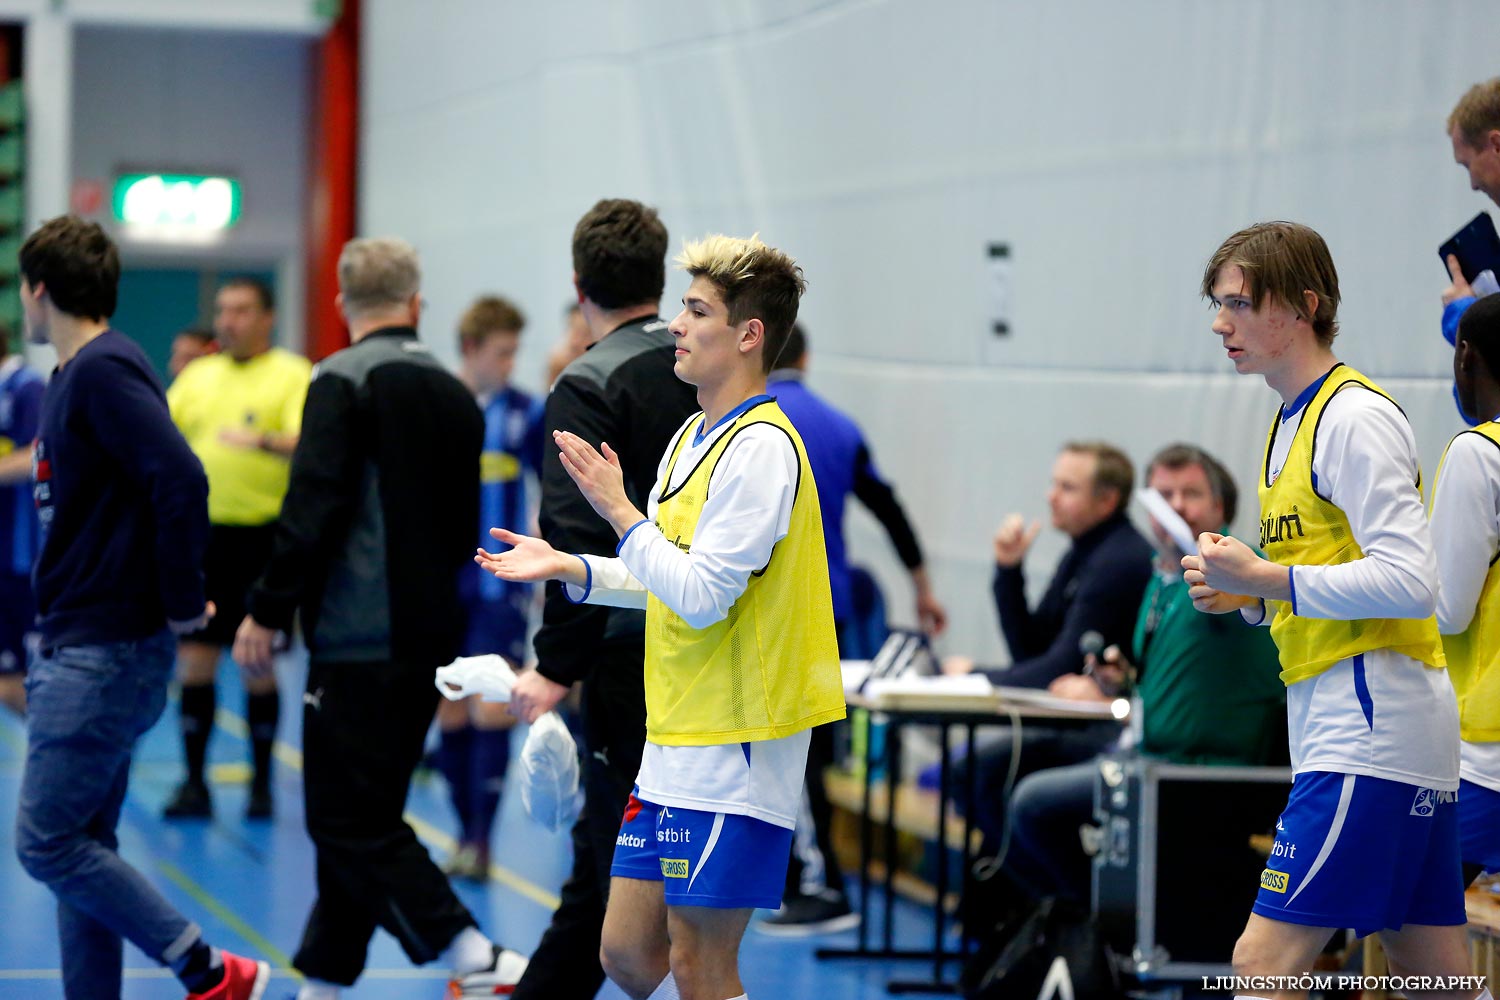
column 377, row 524
column 622, row 390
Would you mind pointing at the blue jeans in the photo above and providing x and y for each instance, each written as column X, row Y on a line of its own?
column 86, row 707
column 1046, row 853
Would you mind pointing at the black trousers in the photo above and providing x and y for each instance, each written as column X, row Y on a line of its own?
column 565, row 965
column 813, row 867
column 363, row 726
column 1043, row 746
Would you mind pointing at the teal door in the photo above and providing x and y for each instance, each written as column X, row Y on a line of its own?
column 155, row 304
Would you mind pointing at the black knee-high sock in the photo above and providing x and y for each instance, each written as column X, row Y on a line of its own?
column 199, row 702
column 262, row 712
column 454, row 759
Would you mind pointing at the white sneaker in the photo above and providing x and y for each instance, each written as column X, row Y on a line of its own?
column 499, row 980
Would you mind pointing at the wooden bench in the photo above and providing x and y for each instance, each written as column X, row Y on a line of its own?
column 915, row 820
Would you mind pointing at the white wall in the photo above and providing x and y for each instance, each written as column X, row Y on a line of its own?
column 231, row 102
column 884, row 143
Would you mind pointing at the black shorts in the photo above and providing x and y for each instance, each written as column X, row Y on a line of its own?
column 237, row 556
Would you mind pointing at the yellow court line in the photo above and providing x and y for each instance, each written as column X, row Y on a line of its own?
column 234, row 725
column 292, row 758
column 203, row 898
column 276, row 973
column 12, row 739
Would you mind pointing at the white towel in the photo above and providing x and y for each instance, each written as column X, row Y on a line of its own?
column 488, row 676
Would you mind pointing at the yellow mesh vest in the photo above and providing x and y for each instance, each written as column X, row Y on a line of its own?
column 1474, row 654
column 1300, row 528
column 771, row 667
column 265, row 394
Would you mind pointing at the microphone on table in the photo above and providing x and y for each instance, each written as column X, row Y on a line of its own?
column 1091, row 643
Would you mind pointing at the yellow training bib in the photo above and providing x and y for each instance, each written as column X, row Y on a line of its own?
column 770, row 668
column 1299, row 527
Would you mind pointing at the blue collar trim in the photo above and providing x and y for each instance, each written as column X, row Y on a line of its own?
column 700, row 434
column 1305, row 396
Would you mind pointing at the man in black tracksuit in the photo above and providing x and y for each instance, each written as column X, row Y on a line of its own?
column 376, row 526
column 622, row 390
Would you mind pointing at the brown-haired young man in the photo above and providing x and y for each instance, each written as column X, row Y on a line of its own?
column 123, row 505
column 741, row 656
column 1369, row 836
column 474, row 750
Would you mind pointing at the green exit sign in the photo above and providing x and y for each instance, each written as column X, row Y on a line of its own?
column 178, row 201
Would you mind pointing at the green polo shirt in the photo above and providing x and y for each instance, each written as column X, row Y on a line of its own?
column 1210, row 687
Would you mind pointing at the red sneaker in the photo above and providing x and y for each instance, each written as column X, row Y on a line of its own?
column 244, row 979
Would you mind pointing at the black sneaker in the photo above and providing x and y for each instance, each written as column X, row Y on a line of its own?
column 804, row 916
column 260, row 804
column 190, row 801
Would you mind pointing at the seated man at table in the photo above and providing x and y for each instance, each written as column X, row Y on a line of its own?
column 1210, row 691
column 1097, row 588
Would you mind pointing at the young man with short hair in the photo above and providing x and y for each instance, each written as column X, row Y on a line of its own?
column 622, row 390
column 1369, row 836
column 123, row 505
column 741, row 656
column 1466, row 534
column 474, row 750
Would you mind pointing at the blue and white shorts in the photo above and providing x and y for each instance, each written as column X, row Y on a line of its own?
column 1364, row 853
column 701, row 858
column 1479, row 825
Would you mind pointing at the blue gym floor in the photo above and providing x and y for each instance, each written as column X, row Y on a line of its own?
column 250, row 883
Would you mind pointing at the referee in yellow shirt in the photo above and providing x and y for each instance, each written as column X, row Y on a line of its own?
column 241, row 411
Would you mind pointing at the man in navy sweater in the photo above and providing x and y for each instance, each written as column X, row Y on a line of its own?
column 123, row 505
column 1097, row 587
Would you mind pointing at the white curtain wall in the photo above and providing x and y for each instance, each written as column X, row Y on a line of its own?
column 887, row 143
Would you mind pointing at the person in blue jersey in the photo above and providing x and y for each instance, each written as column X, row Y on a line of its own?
column 741, row 655
column 123, row 506
column 843, row 466
column 1348, row 586
column 20, row 409
column 1474, row 131
column 475, row 748
column 1465, row 515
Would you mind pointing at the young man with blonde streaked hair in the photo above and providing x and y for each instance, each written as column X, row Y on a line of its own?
column 1369, row 836
column 741, row 656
